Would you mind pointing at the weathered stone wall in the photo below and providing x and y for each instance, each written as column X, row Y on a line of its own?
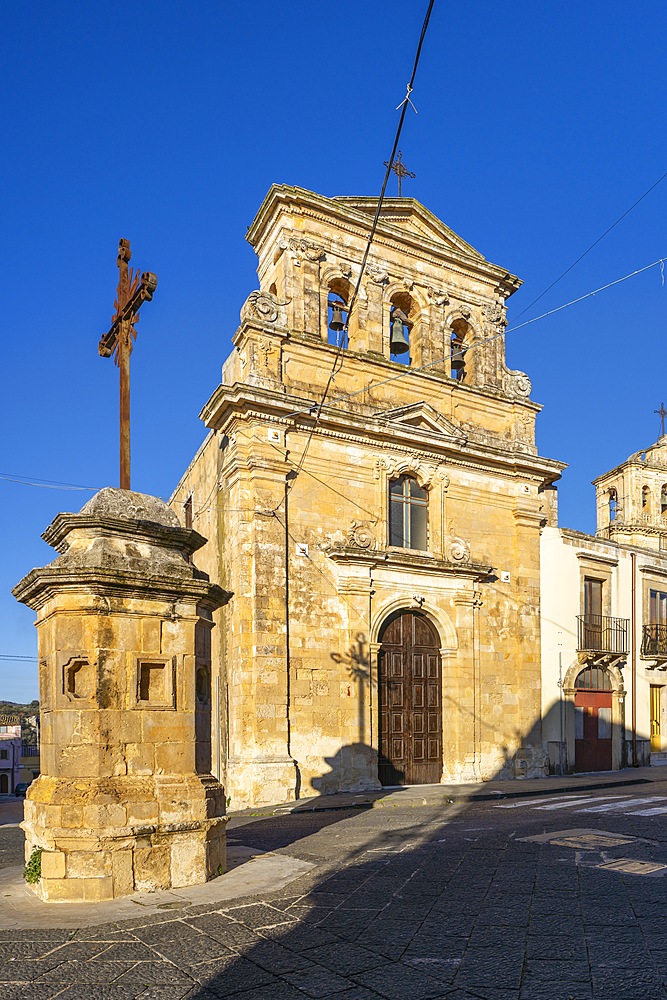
column 303, row 715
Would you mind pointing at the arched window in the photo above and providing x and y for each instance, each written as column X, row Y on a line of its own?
column 337, row 303
column 593, row 679
column 458, row 340
column 646, row 500
column 663, row 499
column 613, row 504
column 401, row 324
column 408, row 513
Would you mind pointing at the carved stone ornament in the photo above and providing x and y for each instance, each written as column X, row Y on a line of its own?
column 264, row 349
column 465, row 310
column 516, row 384
column 305, row 250
column 438, row 296
column 457, row 549
column 410, row 465
column 264, row 305
column 345, row 270
column 377, row 273
column 494, row 313
column 408, row 283
column 360, row 535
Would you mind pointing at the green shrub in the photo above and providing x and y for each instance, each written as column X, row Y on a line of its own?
column 33, row 870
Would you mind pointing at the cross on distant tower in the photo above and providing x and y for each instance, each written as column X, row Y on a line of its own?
column 132, row 291
column 662, row 413
column 400, row 170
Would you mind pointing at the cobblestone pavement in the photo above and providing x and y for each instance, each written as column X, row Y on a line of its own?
column 403, row 904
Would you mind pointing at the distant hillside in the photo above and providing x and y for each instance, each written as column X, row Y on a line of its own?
column 11, row 710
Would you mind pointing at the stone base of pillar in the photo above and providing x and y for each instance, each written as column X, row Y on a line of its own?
column 256, row 780
column 107, row 837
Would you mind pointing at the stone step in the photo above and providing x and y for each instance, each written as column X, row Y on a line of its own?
column 658, row 758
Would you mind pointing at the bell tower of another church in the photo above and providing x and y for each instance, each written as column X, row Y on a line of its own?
column 632, row 499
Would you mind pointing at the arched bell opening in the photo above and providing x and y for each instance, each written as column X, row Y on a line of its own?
column 338, row 300
column 402, row 319
column 460, row 338
column 646, row 500
column 613, row 505
column 409, row 670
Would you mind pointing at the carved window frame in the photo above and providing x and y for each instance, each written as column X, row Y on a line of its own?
column 166, row 701
column 428, row 476
column 66, row 696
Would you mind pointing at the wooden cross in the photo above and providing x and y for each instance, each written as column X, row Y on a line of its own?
column 662, row 413
column 132, row 291
column 400, row 170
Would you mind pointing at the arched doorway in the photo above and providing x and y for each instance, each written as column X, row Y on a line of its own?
column 592, row 720
column 410, row 697
column 4, row 784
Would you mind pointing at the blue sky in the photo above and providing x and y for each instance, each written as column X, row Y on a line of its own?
column 166, row 123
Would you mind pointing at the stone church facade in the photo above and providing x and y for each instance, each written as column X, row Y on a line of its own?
column 383, row 549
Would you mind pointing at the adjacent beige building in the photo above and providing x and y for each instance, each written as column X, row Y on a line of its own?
column 375, row 507
column 604, row 625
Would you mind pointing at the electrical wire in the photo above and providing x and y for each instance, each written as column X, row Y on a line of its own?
column 484, row 340
column 47, row 484
column 340, row 347
column 51, row 484
column 593, row 245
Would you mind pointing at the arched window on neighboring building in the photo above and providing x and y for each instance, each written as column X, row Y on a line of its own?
column 458, row 340
column 593, row 679
column 613, row 504
column 408, row 514
column 646, row 500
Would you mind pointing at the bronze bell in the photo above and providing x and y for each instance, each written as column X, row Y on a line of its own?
column 336, row 323
column 458, row 357
column 399, row 343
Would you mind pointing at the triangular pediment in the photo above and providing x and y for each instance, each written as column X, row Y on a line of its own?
column 412, row 217
column 422, row 416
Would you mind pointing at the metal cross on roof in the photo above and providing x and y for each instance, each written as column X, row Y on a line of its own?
column 662, row 413
column 400, row 170
column 132, row 291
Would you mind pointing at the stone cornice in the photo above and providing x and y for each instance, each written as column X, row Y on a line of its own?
column 346, row 217
column 184, row 539
column 229, row 402
column 41, row 585
column 409, row 561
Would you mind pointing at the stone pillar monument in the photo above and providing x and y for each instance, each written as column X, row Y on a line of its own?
column 125, row 801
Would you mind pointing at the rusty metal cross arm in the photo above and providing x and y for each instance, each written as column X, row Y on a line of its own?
column 144, row 293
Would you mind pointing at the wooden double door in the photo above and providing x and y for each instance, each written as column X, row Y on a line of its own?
column 593, row 731
column 410, row 695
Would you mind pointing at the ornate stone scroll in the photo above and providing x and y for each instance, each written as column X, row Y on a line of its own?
column 410, row 465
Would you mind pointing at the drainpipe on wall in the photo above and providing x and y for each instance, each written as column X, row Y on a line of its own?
column 633, row 661
column 291, row 475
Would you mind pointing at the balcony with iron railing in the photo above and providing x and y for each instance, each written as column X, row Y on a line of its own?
column 602, row 634
column 654, row 640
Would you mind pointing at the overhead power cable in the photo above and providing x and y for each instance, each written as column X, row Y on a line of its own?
column 485, row 340
column 47, row 484
column 353, row 299
column 593, row 245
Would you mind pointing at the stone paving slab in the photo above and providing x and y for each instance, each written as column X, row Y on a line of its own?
column 416, row 796
column 395, row 905
column 21, row 908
